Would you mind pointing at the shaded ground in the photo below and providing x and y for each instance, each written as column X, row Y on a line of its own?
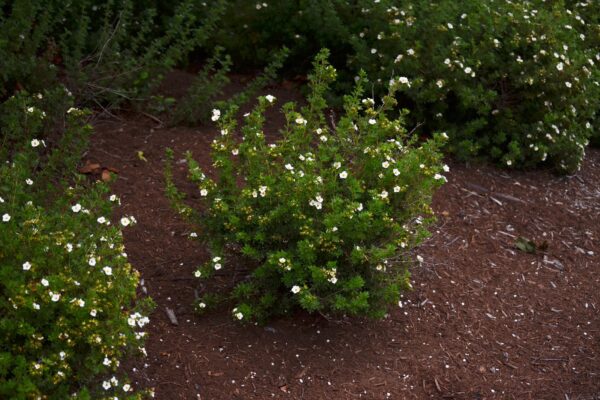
column 485, row 320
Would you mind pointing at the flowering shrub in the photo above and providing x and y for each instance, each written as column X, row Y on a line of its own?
column 66, row 289
column 327, row 214
column 508, row 80
column 587, row 13
column 515, row 82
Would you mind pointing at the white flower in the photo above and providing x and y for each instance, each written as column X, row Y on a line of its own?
column 125, row 221
column 468, row 70
column 301, row 121
column 126, row 387
column 396, row 189
column 29, row 181
column 396, row 172
column 217, row 266
column 372, row 121
column 383, row 194
column 419, row 258
column 289, row 167
column 403, row 80
column 106, row 385
column 107, row 270
column 55, row 296
column 36, row 306
column 450, row 26
column 385, row 164
column 337, row 165
column 76, row 208
column 568, row 84
column 202, row 305
column 101, row 220
column 5, row 218
column 106, row 361
column 359, row 207
column 93, row 313
column 446, row 168
column 560, row 66
column 80, row 303
column 439, row 176
column 203, row 192
column 30, row 109
column 410, row 52
column 69, row 247
column 508, row 162
column 323, row 138
column 440, row 83
column 113, row 197
column 343, row 175
column 333, row 280
column 1, row 200
column 35, row 143
column 26, row 266
column 296, row 289
column 216, row 114
column 198, row 273
column 45, row 282
column 270, row 98
column 71, row 110
column 92, row 261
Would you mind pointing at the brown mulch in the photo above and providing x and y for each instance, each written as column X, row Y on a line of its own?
column 485, row 320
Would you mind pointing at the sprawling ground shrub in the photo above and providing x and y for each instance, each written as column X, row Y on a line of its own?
column 327, row 214
column 515, row 82
column 67, row 292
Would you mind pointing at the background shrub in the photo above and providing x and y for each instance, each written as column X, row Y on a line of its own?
column 67, row 292
column 105, row 52
column 327, row 214
column 508, row 81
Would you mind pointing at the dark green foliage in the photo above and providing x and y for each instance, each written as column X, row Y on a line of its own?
column 105, row 52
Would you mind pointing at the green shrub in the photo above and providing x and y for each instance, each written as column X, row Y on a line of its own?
column 587, row 17
column 326, row 215
column 67, row 312
column 509, row 81
column 106, row 52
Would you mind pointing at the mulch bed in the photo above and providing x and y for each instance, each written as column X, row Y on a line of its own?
column 485, row 320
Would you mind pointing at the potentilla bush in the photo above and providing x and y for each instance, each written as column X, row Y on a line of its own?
column 587, row 15
column 324, row 217
column 511, row 81
column 67, row 292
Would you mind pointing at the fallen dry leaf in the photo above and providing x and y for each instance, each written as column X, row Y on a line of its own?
column 89, row 167
column 106, row 175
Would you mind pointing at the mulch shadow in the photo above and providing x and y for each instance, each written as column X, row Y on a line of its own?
column 485, row 320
